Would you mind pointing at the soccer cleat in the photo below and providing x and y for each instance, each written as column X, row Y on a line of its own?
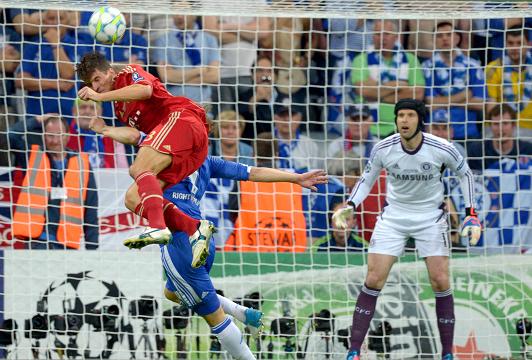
column 448, row 357
column 199, row 241
column 148, row 237
column 353, row 355
column 254, row 322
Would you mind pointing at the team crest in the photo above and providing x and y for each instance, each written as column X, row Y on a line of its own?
column 426, row 167
column 136, row 77
column 367, row 168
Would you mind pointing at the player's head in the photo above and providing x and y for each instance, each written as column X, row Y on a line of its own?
column 409, row 117
column 96, row 72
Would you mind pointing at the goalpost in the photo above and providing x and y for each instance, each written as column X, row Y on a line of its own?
column 273, row 62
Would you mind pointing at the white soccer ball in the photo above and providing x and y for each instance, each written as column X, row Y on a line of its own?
column 107, row 25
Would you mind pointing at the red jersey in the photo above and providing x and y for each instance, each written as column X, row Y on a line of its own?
column 145, row 115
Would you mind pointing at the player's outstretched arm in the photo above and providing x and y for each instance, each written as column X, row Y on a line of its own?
column 123, row 134
column 307, row 180
column 127, row 93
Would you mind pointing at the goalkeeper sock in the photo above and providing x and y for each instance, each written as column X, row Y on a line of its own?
column 233, row 309
column 232, row 341
column 364, row 309
column 445, row 315
column 151, row 198
column 176, row 220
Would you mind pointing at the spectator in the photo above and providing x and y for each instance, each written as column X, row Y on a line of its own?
column 227, row 131
column 509, row 79
column 339, row 239
column 296, row 151
column 62, row 212
column 439, row 126
column 238, row 38
column 9, row 61
column 358, row 138
column 291, row 52
column 47, row 70
column 455, row 82
column 347, row 38
column 258, row 101
column 103, row 152
column 503, row 144
column 383, row 76
column 188, row 59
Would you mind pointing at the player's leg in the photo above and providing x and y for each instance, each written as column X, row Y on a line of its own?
column 194, row 289
column 379, row 266
column 387, row 243
column 229, row 335
column 148, row 163
column 438, row 268
column 184, row 137
column 432, row 244
column 247, row 316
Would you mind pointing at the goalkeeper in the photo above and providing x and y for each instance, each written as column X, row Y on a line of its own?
column 414, row 162
column 191, row 286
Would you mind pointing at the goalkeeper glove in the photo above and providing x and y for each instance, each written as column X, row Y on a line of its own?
column 471, row 227
column 341, row 215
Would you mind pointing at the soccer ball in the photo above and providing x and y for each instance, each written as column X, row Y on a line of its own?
column 107, row 25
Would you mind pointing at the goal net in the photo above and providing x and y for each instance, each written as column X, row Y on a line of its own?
column 293, row 85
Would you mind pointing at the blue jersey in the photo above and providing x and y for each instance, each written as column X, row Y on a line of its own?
column 194, row 287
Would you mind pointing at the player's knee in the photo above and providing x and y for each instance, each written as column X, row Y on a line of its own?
column 130, row 200
column 439, row 281
column 375, row 280
column 171, row 296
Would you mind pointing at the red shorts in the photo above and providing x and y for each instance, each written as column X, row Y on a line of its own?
column 183, row 136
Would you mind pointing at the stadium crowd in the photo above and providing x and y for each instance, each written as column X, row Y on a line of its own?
column 291, row 93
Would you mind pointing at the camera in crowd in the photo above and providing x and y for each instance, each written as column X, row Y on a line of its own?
column 36, row 327
column 69, row 324
column 144, row 308
column 379, row 338
column 8, row 332
column 104, row 319
column 323, row 321
column 176, row 318
column 523, row 328
column 266, row 79
column 251, row 300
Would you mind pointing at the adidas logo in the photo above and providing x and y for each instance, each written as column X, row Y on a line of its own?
column 167, row 147
column 396, row 166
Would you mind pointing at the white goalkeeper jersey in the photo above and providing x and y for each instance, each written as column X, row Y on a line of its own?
column 414, row 178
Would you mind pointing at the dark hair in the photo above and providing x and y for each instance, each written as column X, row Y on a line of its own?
column 91, row 62
column 448, row 23
column 517, row 30
column 499, row 110
column 265, row 147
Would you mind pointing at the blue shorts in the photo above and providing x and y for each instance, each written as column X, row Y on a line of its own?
column 193, row 287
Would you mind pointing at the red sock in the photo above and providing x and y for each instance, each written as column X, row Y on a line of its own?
column 151, row 198
column 176, row 220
